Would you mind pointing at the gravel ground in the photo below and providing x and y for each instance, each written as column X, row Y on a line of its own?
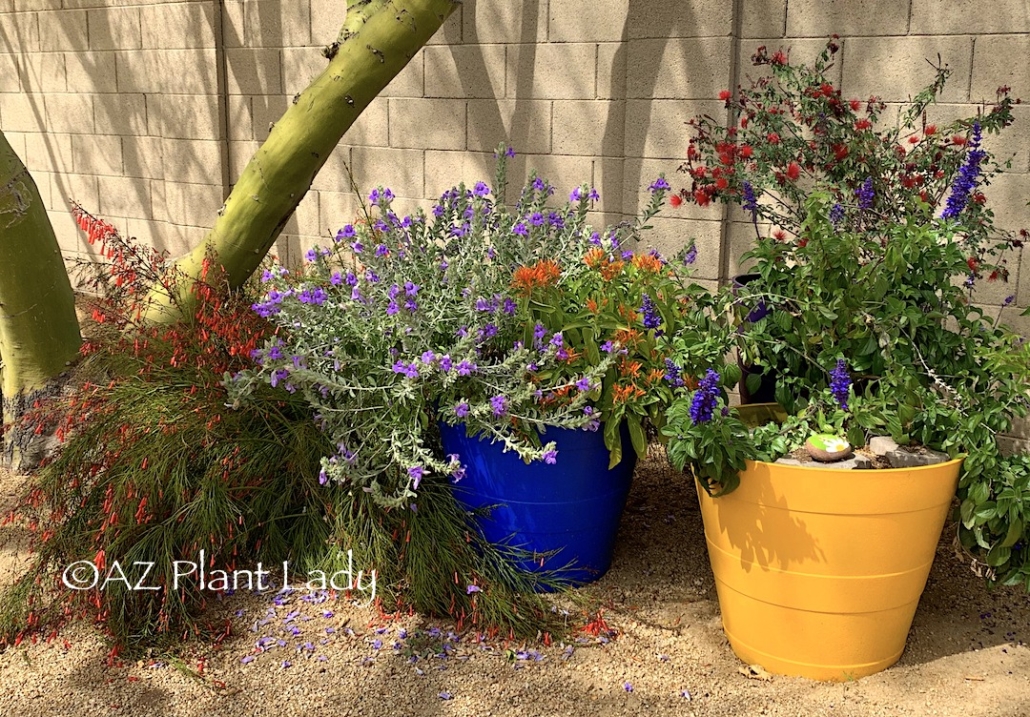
column 967, row 653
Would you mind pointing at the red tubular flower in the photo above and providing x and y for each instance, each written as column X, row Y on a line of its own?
column 793, row 171
column 863, row 124
column 675, row 200
column 725, row 95
column 772, row 138
column 973, row 263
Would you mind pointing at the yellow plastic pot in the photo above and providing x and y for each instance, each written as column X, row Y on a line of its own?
column 819, row 571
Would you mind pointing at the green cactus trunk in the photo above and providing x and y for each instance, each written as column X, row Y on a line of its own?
column 39, row 331
column 377, row 40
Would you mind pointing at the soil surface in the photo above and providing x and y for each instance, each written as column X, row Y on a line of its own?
column 299, row 653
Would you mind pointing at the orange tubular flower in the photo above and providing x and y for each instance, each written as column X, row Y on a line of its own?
column 544, row 273
column 647, row 262
column 591, row 306
column 609, row 270
column 594, row 258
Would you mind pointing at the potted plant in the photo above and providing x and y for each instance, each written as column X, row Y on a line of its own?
column 878, row 237
column 504, row 351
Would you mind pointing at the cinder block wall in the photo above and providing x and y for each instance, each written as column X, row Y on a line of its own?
column 146, row 112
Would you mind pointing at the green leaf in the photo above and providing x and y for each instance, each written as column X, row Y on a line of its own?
column 636, row 434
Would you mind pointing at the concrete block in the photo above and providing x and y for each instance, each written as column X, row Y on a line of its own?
column 192, row 204
column 999, row 61
column 124, row 197
column 90, row 72
column 592, row 20
column 822, row 18
column 427, row 124
column 741, row 239
column 562, row 171
column 63, row 31
column 656, row 128
column 514, row 21
column 670, row 235
column 300, row 67
column 896, row 68
column 545, row 72
column 402, row 170
column 186, row 116
column 21, row 33
column 267, row 111
column 241, row 117
column 674, row 18
column 882, row 445
column 185, row 72
column 97, row 154
column 1023, row 280
column 371, row 129
column 591, row 127
column 306, row 219
column 1007, row 196
column 904, row 458
column 48, row 152
column 450, row 33
column 764, row 18
column 42, row 181
column 335, row 173
column 193, row 160
column 143, row 157
column 464, row 71
column 799, row 50
column 115, row 29
column 232, row 23
column 178, row 25
column 449, row 169
column 240, row 154
column 43, row 72
column 336, row 209
column 409, row 82
column 10, row 73
column 29, row 5
column 22, row 113
column 969, row 17
column 690, row 68
column 17, row 142
column 272, row 23
column 524, row 124
column 79, row 188
column 69, row 113
column 69, row 238
column 124, row 114
column 609, row 179
column 611, row 71
column 326, row 19
column 253, row 71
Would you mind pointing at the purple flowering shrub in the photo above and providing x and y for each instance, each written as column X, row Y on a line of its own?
column 868, row 242
column 406, row 320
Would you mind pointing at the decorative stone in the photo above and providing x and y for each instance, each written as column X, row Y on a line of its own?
column 882, row 445
column 856, row 462
column 910, row 458
column 827, row 448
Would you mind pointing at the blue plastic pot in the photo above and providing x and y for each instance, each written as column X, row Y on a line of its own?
column 572, row 506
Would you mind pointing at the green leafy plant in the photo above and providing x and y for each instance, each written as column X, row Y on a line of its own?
column 869, row 242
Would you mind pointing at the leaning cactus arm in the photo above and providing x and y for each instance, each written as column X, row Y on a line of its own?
column 39, row 331
column 380, row 37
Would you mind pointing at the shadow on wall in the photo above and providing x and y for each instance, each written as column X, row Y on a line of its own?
column 120, row 112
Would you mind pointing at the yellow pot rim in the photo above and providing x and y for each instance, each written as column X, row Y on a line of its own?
column 877, row 471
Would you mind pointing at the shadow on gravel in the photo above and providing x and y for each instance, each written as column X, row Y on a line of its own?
column 661, row 573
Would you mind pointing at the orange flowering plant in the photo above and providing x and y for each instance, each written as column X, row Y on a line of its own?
column 603, row 298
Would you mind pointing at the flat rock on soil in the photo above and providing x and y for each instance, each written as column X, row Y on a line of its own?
column 967, row 653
